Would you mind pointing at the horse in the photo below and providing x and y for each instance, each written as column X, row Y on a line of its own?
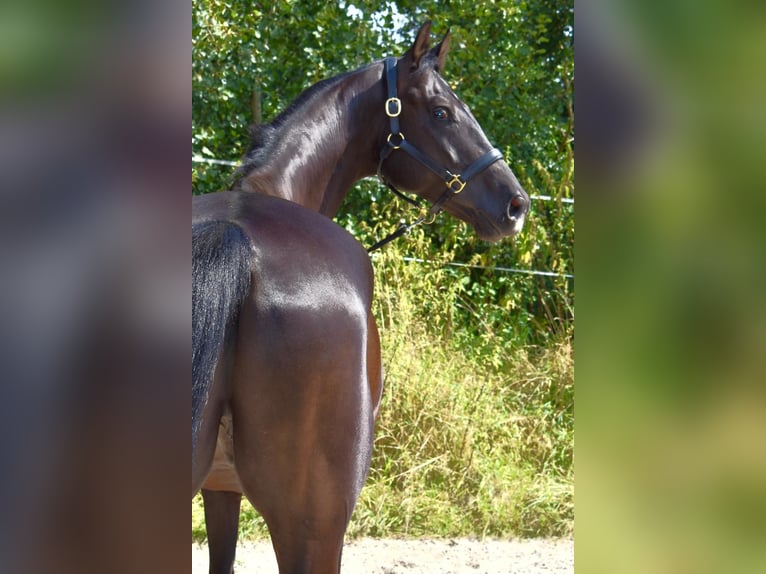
column 286, row 361
column 396, row 118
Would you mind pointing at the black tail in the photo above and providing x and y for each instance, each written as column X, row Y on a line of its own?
column 221, row 278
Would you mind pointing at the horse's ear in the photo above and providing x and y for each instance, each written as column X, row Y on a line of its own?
column 421, row 45
column 440, row 51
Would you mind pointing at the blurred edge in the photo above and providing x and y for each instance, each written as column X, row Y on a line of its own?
column 670, row 353
column 95, row 111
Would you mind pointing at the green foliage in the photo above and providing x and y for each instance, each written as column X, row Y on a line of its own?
column 475, row 435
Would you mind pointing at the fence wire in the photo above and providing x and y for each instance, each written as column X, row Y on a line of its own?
column 472, row 266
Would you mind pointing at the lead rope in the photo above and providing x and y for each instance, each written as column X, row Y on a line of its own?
column 404, row 227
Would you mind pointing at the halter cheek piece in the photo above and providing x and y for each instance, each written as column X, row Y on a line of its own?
column 396, row 141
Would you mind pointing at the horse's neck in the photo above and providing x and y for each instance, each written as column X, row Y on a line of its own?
column 326, row 147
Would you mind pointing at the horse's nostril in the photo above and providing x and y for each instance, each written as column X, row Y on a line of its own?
column 517, row 207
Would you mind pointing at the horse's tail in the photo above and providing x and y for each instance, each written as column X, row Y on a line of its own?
column 221, row 279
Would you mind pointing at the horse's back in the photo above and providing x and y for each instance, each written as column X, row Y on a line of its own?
column 292, row 243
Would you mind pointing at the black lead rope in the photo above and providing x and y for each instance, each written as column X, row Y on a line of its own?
column 455, row 182
column 403, row 229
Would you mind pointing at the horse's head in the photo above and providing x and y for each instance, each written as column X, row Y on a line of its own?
column 448, row 158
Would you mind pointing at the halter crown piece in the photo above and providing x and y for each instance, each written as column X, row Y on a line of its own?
column 455, row 182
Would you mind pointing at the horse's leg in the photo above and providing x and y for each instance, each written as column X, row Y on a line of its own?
column 306, row 489
column 303, row 439
column 222, row 523
column 307, row 517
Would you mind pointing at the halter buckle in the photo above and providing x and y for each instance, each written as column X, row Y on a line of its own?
column 400, row 135
column 397, row 110
column 456, row 184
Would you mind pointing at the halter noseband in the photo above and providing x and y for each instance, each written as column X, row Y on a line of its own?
column 455, row 182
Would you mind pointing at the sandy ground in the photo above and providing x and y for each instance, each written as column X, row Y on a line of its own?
column 420, row 557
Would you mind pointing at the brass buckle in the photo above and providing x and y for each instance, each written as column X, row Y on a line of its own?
column 398, row 103
column 400, row 135
column 451, row 184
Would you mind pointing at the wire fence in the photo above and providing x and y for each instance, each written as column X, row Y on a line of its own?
column 471, row 266
column 200, row 159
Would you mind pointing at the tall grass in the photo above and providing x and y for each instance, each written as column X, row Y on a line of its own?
column 475, row 435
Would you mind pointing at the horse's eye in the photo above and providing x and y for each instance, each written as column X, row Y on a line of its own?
column 441, row 114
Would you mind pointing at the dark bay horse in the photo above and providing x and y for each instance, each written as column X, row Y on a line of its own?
column 286, row 361
column 396, row 118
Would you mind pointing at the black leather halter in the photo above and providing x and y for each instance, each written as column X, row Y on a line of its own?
column 455, row 182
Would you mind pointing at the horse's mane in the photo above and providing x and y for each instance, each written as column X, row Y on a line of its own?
column 263, row 137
